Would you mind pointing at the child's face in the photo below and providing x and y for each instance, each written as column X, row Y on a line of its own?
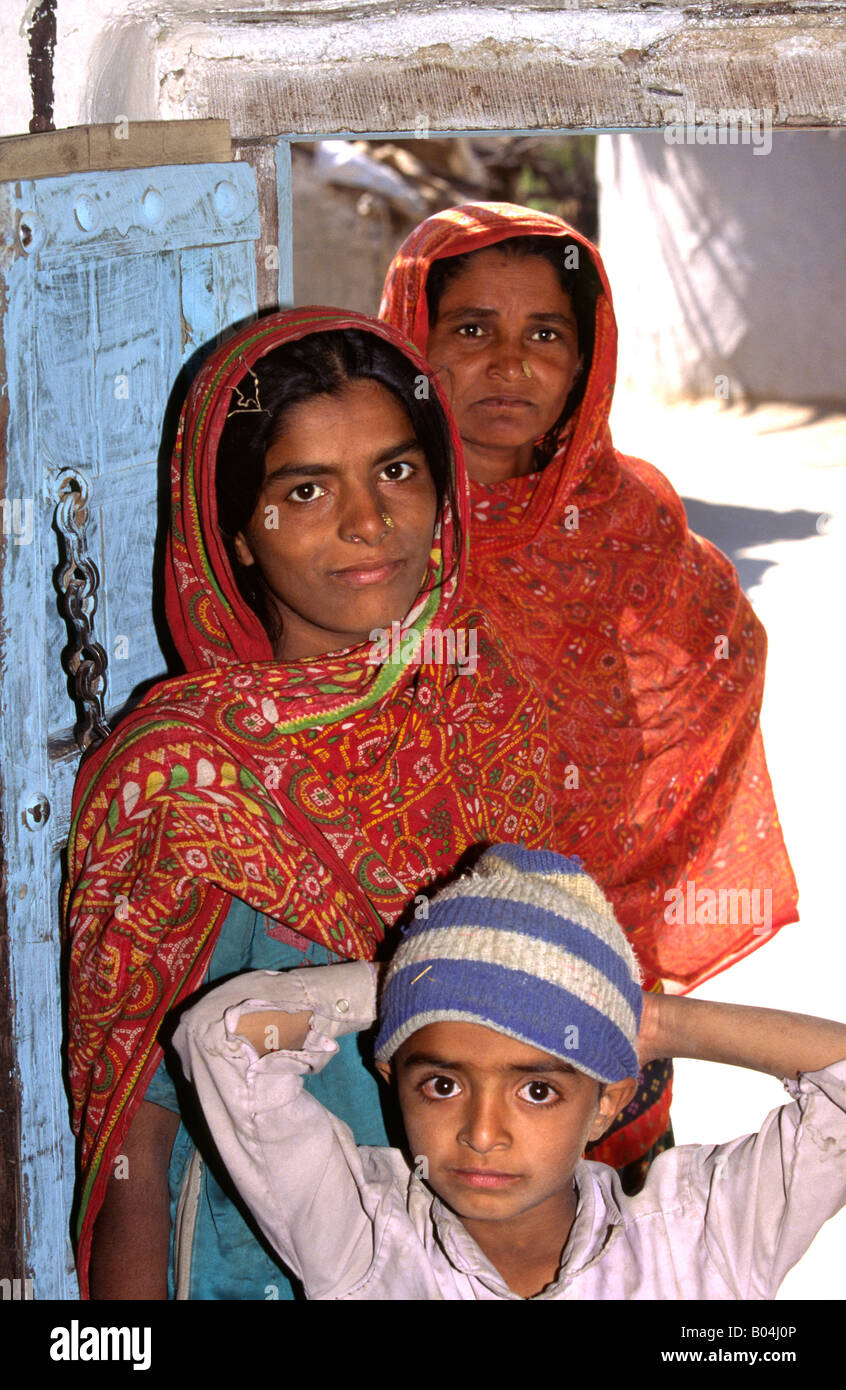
column 500, row 1124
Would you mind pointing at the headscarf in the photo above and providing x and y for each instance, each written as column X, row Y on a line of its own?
column 325, row 793
column 649, row 655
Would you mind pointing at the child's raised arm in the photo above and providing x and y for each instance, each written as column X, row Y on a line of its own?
column 763, row 1196
column 295, row 1165
column 769, row 1040
column 271, row 1030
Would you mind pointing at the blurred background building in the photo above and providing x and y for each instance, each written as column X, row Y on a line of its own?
column 721, row 262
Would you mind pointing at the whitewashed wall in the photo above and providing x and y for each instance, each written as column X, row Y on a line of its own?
column 723, row 264
column 16, row 106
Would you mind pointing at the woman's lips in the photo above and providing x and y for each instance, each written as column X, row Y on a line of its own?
column 505, row 403
column 369, row 574
column 478, row 1177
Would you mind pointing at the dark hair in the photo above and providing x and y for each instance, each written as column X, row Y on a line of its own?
column 578, row 278
column 322, row 364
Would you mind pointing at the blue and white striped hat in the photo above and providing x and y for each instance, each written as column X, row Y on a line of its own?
column 527, row 945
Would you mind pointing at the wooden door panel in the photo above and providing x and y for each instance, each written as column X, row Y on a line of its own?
column 126, row 530
column 135, row 366
column 111, row 284
column 98, row 217
column 61, row 775
column 64, row 335
column 217, row 288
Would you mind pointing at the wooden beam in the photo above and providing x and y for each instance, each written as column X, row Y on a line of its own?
column 124, row 144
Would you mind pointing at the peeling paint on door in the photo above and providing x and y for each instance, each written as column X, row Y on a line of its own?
column 109, row 284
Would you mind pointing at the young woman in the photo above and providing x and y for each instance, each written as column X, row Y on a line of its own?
column 295, row 792
column 649, row 656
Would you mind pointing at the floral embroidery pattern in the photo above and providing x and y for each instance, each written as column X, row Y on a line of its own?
column 322, row 793
column 615, row 609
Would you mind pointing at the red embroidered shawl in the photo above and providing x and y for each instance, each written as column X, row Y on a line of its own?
column 649, row 655
column 324, row 793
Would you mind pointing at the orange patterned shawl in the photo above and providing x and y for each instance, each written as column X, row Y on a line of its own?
column 648, row 653
column 324, row 793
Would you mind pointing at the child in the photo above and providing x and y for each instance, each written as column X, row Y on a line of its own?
column 510, row 1023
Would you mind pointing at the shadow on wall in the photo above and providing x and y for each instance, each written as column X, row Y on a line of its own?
column 730, row 273
column 737, row 529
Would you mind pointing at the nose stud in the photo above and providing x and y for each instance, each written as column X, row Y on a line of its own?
column 389, row 523
column 527, row 371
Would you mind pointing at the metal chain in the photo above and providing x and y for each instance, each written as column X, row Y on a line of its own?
column 78, row 581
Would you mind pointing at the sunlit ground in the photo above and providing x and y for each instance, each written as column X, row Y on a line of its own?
column 770, row 484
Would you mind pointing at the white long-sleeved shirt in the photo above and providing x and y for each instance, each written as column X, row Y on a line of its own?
column 712, row 1222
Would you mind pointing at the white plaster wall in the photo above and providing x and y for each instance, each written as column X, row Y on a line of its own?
column 16, row 106
column 724, row 262
column 105, row 61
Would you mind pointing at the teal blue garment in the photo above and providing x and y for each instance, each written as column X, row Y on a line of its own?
column 228, row 1261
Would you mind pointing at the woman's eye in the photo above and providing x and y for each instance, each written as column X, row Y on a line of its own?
column 305, row 492
column 539, row 1093
column 470, row 330
column 545, row 335
column 397, row 472
column 439, row 1088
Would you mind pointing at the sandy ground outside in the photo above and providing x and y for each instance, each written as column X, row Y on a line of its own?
column 767, row 484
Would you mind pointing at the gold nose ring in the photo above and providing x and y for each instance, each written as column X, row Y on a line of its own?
column 387, row 520
column 527, row 371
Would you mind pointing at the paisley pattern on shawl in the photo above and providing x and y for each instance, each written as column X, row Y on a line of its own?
column 324, row 793
column 649, row 655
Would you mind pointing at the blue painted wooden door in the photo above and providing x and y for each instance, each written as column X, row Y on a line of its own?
column 111, row 283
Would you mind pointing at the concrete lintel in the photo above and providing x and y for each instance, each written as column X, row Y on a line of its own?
column 326, row 67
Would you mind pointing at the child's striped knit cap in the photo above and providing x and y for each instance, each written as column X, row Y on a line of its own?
column 527, row 945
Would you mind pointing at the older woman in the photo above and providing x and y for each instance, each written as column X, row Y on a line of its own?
column 294, row 794
column 649, row 656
